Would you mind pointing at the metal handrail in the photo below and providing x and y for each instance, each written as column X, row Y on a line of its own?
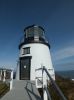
column 59, row 92
column 47, row 93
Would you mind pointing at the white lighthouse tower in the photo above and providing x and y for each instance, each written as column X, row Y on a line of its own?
column 34, row 69
column 34, row 53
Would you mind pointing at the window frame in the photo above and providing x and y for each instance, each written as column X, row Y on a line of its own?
column 26, row 50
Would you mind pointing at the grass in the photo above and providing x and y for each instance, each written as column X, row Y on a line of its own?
column 4, row 88
column 66, row 86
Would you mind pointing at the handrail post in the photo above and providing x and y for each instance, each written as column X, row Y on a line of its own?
column 11, row 81
column 45, row 97
column 0, row 75
column 4, row 75
column 49, row 96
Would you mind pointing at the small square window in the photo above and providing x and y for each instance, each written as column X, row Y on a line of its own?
column 26, row 50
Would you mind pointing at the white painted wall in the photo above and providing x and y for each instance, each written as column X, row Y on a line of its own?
column 17, row 77
column 40, row 57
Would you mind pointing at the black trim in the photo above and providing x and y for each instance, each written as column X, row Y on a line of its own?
column 30, row 57
column 24, row 43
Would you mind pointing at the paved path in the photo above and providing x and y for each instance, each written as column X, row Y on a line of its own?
column 22, row 90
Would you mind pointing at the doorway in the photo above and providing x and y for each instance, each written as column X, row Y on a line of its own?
column 25, row 63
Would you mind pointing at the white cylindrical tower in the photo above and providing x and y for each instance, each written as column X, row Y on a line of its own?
column 34, row 53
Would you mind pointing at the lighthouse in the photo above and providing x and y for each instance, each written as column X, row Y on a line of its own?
column 34, row 68
column 34, row 53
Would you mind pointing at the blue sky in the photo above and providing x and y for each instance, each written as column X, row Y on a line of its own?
column 57, row 18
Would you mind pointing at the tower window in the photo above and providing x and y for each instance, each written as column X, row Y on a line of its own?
column 26, row 50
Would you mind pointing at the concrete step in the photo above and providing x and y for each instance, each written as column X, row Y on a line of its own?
column 23, row 90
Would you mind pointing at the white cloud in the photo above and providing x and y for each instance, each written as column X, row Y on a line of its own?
column 63, row 53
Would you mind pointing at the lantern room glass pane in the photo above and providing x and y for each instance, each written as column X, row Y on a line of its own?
column 34, row 32
column 30, row 32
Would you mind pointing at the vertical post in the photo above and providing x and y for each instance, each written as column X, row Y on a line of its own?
column 44, row 85
column 4, row 75
column 18, row 71
column 0, row 75
column 11, row 81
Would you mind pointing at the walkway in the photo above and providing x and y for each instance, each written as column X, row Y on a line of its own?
column 23, row 90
